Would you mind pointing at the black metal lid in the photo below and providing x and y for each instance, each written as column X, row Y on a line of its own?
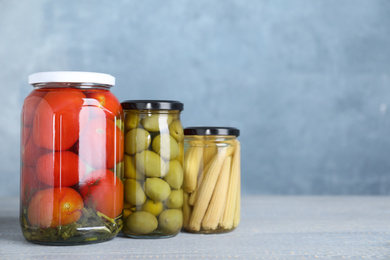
column 153, row 104
column 211, row 130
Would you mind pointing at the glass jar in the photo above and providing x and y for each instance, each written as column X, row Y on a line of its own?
column 211, row 179
column 153, row 175
column 71, row 159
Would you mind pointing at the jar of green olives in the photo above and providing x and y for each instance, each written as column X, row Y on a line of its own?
column 211, row 179
column 153, row 168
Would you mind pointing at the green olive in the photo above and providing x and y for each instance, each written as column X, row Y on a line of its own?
column 152, row 207
column 166, row 146
column 176, row 130
column 134, row 194
column 140, row 223
column 156, row 122
column 131, row 121
column 157, row 189
column 174, row 175
column 127, row 205
column 171, row 220
column 130, row 170
column 119, row 169
column 150, row 164
column 137, row 140
column 175, row 199
column 126, row 213
column 119, row 124
column 154, row 134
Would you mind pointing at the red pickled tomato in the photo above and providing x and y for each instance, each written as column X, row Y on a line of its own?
column 29, row 105
column 30, row 151
column 59, row 118
column 60, row 169
column 29, row 184
column 107, row 102
column 25, row 134
column 101, row 144
column 102, row 190
column 55, row 207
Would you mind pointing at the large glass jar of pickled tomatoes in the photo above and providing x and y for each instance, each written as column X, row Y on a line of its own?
column 71, row 159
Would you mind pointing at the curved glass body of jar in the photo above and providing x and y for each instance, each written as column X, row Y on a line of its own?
column 71, row 155
column 153, row 172
column 211, row 183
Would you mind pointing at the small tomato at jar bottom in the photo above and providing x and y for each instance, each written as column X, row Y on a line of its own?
column 107, row 104
column 101, row 144
column 29, row 184
column 103, row 191
column 62, row 168
column 55, row 207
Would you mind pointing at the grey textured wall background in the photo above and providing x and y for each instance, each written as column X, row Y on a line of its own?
column 307, row 82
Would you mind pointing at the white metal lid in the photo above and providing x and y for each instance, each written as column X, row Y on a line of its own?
column 71, row 77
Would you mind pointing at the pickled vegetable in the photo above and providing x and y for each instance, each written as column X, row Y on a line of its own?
column 175, row 199
column 131, row 121
column 157, row 189
column 60, row 169
column 100, row 190
column 174, row 175
column 156, row 122
column 176, row 130
column 137, row 140
column 127, row 205
column 140, row 223
column 153, row 207
column 150, row 164
column 193, row 162
column 55, row 207
column 126, row 213
column 54, row 116
column 209, row 152
column 134, row 194
column 130, row 169
column 166, row 146
column 101, row 135
column 171, row 220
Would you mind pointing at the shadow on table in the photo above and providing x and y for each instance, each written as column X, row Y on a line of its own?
column 10, row 230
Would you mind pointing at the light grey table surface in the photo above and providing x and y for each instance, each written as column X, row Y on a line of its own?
column 272, row 227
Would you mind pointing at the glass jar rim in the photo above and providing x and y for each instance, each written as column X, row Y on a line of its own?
column 211, row 130
column 71, row 77
column 153, row 105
